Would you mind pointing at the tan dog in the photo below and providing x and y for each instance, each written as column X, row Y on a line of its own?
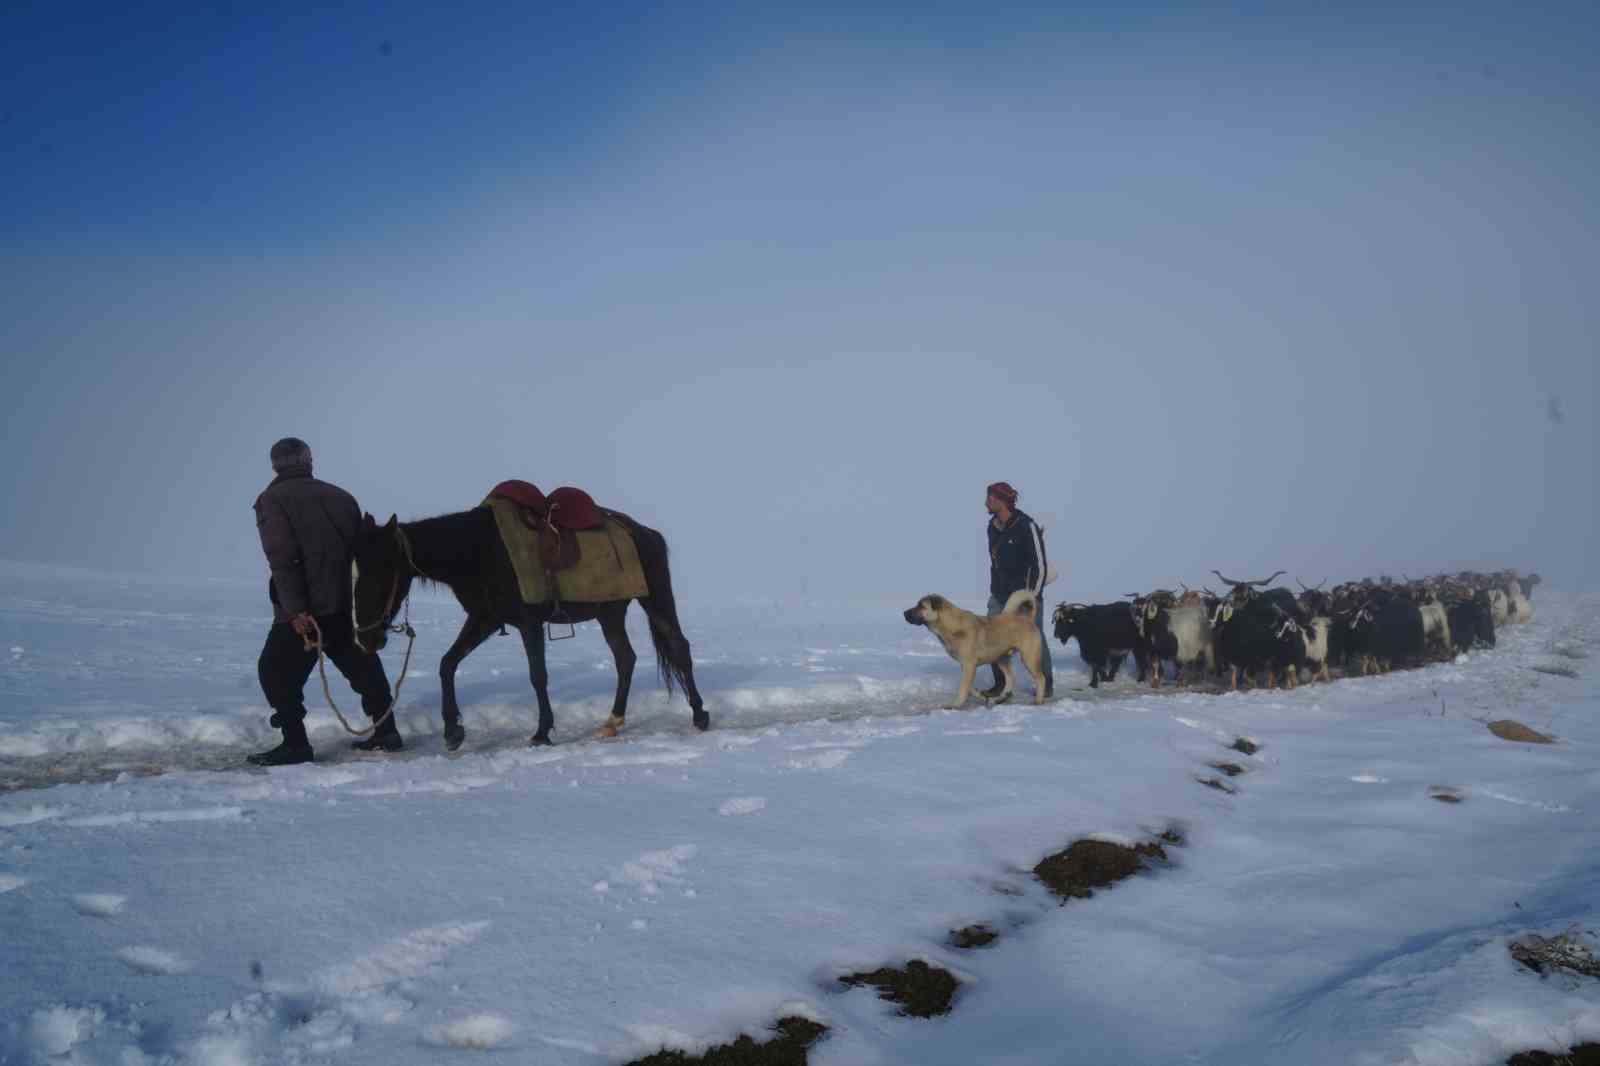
column 974, row 640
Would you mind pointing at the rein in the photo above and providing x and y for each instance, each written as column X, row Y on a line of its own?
column 385, row 621
column 394, row 700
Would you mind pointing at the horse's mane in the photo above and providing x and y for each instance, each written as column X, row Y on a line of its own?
column 455, row 545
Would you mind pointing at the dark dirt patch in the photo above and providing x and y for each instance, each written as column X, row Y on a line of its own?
column 1566, row 952
column 1582, row 1055
column 788, row 1048
column 1506, row 729
column 1245, row 747
column 1232, row 769
column 1090, row 864
column 922, row 991
column 1444, row 794
column 1172, row 836
column 973, row 936
column 1217, row 783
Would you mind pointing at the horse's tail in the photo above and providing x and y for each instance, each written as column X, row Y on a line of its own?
column 666, row 633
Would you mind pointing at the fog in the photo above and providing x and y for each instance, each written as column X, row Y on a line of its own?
column 1310, row 291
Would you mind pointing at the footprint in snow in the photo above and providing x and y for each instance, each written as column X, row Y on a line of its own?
column 98, row 904
column 741, row 805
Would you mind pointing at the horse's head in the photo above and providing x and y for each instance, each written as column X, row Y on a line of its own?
column 382, row 575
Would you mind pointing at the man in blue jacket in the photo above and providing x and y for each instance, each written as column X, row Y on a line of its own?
column 1016, row 561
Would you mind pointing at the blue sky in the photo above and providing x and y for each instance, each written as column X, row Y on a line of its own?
column 1253, row 287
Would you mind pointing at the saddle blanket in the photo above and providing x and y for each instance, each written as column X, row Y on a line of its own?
column 608, row 566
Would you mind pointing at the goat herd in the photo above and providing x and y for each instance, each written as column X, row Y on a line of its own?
column 1271, row 635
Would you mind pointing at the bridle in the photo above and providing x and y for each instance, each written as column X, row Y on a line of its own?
column 386, row 620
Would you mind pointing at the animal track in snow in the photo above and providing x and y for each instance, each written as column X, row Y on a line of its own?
column 741, row 805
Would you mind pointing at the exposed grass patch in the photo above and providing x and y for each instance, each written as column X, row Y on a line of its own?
column 1444, row 794
column 1245, row 747
column 1232, row 769
column 922, row 991
column 1554, row 670
column 1582, row 1055
column 1217, row 783
column 980, row 935
column 788, row 1048
column 1090, row 864
column 1172, row 836
column 1565, row 953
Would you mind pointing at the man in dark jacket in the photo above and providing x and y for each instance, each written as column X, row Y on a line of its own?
column 1016, row 561
column 307, row 529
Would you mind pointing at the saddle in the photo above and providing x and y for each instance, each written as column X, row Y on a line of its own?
column 555, row 520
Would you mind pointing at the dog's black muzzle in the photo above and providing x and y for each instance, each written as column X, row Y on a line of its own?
column 914, row 616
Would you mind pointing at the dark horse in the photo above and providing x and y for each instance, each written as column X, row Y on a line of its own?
column 465, row 552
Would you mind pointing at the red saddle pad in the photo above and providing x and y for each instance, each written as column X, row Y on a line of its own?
column 524, row 494
column 572, row 508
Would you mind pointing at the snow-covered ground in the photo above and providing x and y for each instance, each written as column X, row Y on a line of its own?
column 591, row 902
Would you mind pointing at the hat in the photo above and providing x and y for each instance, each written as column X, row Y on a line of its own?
column 1002, row 490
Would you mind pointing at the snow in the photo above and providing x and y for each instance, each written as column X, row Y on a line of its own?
column 591, row 902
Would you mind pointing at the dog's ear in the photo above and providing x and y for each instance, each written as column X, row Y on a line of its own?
column 935, row 602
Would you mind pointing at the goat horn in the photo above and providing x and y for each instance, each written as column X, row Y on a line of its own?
column 1229, row 580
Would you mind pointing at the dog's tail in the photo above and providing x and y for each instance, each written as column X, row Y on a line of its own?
column 1023, row 602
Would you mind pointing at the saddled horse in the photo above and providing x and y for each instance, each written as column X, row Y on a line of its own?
column 464, row 552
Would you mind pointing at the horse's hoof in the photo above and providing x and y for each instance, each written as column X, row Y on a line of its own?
column 607, row 731
column 702, row 721
column 540, row 740
column 453, row 736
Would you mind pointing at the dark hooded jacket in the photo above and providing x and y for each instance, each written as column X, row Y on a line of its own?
column 308, row 528
column 1016, row 557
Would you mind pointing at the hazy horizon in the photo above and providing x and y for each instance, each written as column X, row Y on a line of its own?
column 1306, row 289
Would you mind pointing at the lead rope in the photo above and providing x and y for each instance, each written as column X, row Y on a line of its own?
column 411, row 639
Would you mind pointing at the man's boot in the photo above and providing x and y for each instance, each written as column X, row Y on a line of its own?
column 296, row 748
column 994, row 690
column 385, row 738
